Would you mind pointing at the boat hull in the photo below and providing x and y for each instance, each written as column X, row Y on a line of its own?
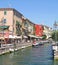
column 37, row 44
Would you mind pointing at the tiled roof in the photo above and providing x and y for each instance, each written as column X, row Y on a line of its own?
column 6, row 8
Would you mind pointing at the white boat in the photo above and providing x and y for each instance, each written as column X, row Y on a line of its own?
column 55, row 46
column 37, row 43
column 11, row 50
column 23, row 47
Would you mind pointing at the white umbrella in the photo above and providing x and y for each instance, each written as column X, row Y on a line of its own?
column 18, row 37
column 12, row 36
column 25, row 37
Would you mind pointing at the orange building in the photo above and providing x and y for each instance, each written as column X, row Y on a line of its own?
column 38, row 30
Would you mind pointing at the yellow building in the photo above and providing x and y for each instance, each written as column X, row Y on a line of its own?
column 12, row 18
column 47, row 31
column 30, row 27
column 15, row 22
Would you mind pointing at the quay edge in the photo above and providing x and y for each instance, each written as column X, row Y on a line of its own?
column 16, row 49
column 56, row 57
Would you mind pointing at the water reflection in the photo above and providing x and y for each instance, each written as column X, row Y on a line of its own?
column 41, row 55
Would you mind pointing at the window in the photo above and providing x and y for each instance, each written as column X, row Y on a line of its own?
column 5, row 12
column 4, row 21
column 18, row 26
column 25, row 24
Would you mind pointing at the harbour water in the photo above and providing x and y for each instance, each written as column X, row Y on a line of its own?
column 41, row 55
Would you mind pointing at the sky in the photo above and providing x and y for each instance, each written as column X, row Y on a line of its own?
column 38, row 11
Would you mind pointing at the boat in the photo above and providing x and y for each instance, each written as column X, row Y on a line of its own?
column 23, row 47
column 55, row 46
column 41, row 43
column 11, row 50
column 35, row 45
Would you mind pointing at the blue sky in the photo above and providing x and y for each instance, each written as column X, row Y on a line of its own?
column 38, row 11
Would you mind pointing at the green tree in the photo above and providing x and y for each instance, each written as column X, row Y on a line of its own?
column 44, row 37
column 55, row 35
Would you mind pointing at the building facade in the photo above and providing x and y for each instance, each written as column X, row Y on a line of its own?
column 30, row 27
column 15, row 22
column 38, row 30
column 47, row 31
column 12, row 18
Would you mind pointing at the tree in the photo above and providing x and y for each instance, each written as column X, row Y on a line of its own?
column 44, row 37
column 55, row 35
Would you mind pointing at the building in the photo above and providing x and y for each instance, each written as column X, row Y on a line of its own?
column 27, row 27
column 15, row 23
column 30, row 27
column 38, row 30
column 47, row 31
column 11, row 18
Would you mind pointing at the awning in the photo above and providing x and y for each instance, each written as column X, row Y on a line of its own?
column 18, row 37
column 2, row 38
column 4, row 27
column 15, row 37
column 33, row 36
column 12, row 36
column 40, row 37
column 25, row 37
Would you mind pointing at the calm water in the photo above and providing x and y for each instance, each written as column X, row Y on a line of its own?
column 41, row 55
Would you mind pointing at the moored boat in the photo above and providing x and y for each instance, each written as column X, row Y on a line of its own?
column 35, row 44
column 55, row 46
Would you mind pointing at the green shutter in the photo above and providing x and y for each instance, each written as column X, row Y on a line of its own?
column 5, row 12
